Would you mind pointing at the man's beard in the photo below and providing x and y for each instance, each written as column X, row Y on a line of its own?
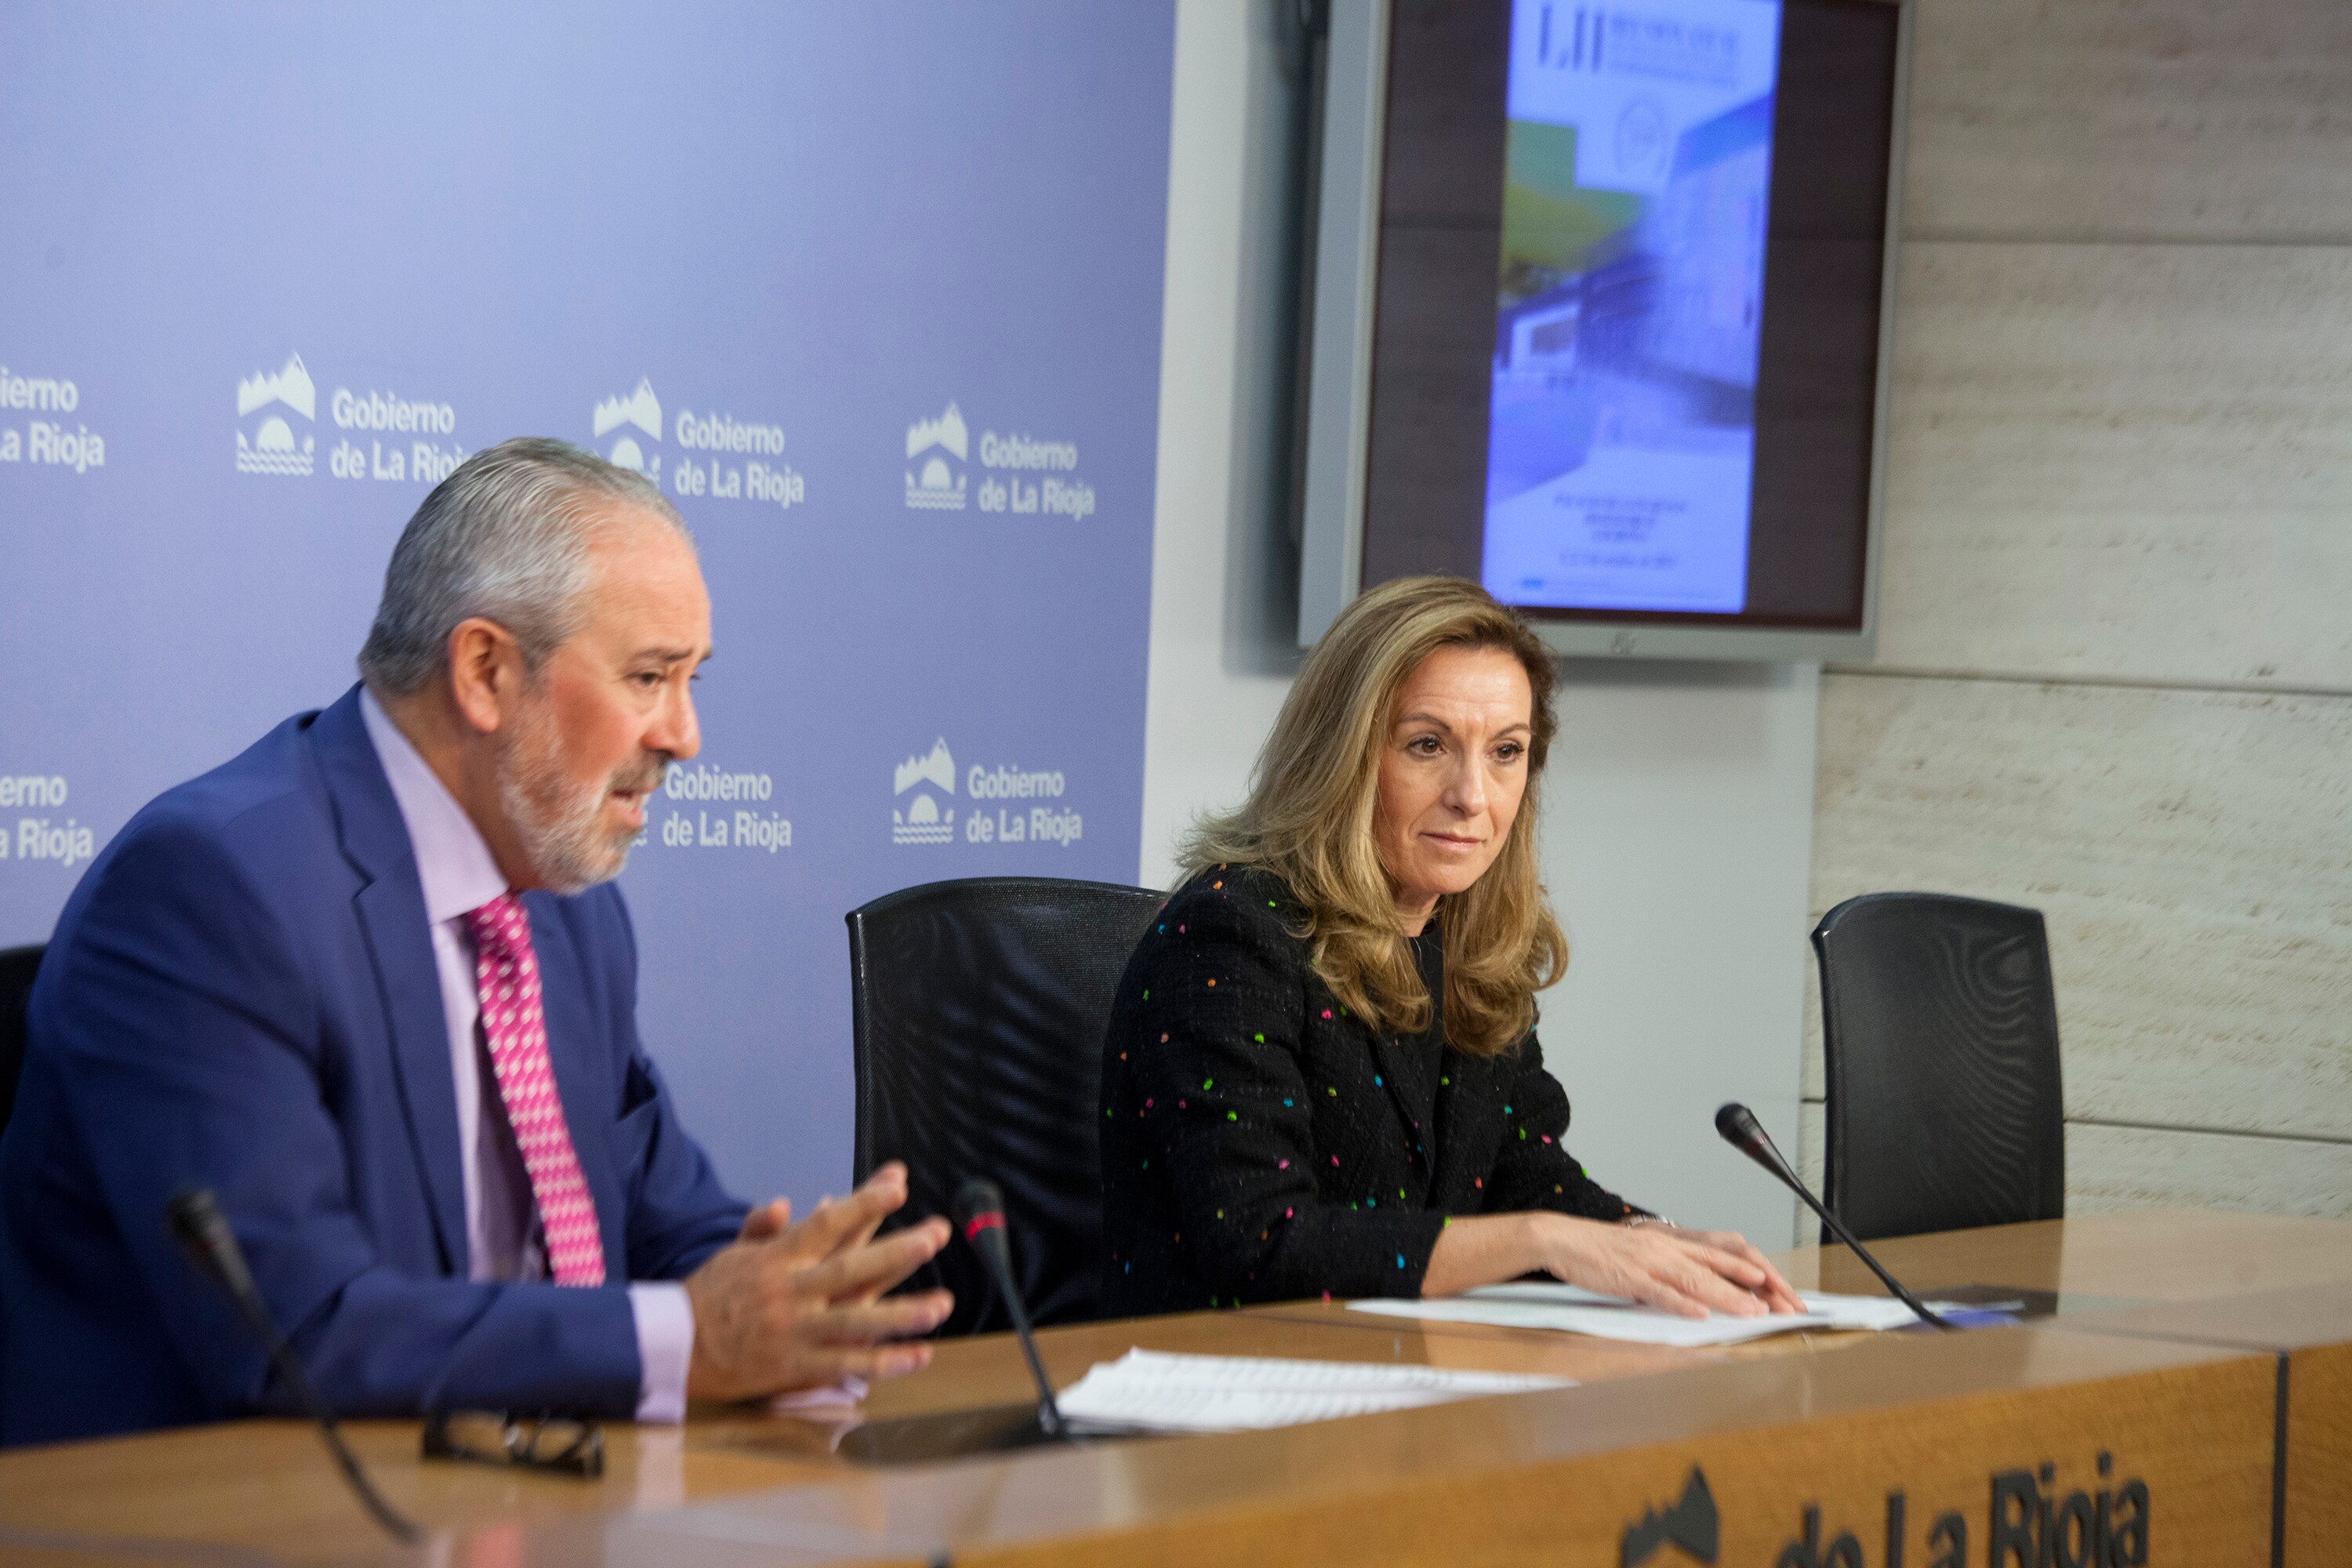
column 568, row 848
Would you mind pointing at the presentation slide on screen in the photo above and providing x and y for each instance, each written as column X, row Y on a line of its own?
column 873, row 292
column 1622, row 432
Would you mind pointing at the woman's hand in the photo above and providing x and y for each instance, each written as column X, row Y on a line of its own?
column 1691, row 1273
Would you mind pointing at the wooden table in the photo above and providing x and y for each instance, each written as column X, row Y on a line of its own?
column 2307, row 1330
column 2175, row 1338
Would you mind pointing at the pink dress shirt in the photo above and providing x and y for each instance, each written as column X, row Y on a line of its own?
column 502, row 1238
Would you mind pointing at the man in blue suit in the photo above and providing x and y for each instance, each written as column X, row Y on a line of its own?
column 368, row 983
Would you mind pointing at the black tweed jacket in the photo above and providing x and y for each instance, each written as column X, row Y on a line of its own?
column 1258, row 1143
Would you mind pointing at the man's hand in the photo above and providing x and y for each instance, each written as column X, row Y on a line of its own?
column 797, row 1306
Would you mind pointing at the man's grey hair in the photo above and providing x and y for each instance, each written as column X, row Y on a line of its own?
column 505, row 538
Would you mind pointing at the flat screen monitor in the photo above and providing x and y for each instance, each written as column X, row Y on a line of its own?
column 1605, row 322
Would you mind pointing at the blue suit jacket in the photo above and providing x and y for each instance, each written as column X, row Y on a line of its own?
column 241, row 995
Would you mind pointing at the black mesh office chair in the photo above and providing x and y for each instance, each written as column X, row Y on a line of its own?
column 1940, row 1030
column 979, row 1009
column 17, row 967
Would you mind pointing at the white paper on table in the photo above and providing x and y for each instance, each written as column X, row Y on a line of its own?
column 1171, row 1392
column 1551, row 1305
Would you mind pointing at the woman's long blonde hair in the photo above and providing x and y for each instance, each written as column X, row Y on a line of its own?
column 1308, row 820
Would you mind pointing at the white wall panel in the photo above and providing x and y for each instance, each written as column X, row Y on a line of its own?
column 1811, row 1157
column 2132, row 120
column 2110, row 1169
column 2191, row 851
column 1675, row 846
column 1219, row 670
column 2123, row 402
column 2122, row 461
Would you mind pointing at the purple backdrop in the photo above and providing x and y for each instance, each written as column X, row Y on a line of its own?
column 874, row 289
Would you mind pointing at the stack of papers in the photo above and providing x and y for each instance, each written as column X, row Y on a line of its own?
column 1159, row 1392
column 1545, row 1305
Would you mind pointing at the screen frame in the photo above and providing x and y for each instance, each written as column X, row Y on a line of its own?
column 1340, row 374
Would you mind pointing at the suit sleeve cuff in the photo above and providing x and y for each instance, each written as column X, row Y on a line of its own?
column 665, row 1350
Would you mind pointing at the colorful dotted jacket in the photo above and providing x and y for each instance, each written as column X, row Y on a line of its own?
column 1261, row 1144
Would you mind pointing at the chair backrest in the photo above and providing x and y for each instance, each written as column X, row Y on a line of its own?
column 17, row 967
column 1941, row 1029
column 978, row 1012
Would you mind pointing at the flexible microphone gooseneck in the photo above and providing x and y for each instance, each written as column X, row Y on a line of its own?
column 979, row 1210
column 1744, row 1133
column 205, row 1235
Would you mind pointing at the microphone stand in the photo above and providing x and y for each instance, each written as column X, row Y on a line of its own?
column 1740, row 1128
column 980, row 1215
column 205, row 1235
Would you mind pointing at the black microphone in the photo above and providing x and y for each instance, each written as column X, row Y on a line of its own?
column 1744, row 1133
column 205, row 1235
column 979, row 1211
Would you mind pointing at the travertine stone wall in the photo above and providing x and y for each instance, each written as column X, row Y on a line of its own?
column 2115, row 669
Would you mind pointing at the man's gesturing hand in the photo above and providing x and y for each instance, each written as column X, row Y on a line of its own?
column 798, row 1306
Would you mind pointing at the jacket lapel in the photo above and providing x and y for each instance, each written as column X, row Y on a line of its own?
column 391, row 908
column 1404, row 1069
column 1404, row 1074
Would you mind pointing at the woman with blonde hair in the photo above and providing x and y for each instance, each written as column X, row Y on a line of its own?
column 1322, row 1077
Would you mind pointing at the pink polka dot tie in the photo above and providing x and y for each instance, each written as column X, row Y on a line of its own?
column 506, row 974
